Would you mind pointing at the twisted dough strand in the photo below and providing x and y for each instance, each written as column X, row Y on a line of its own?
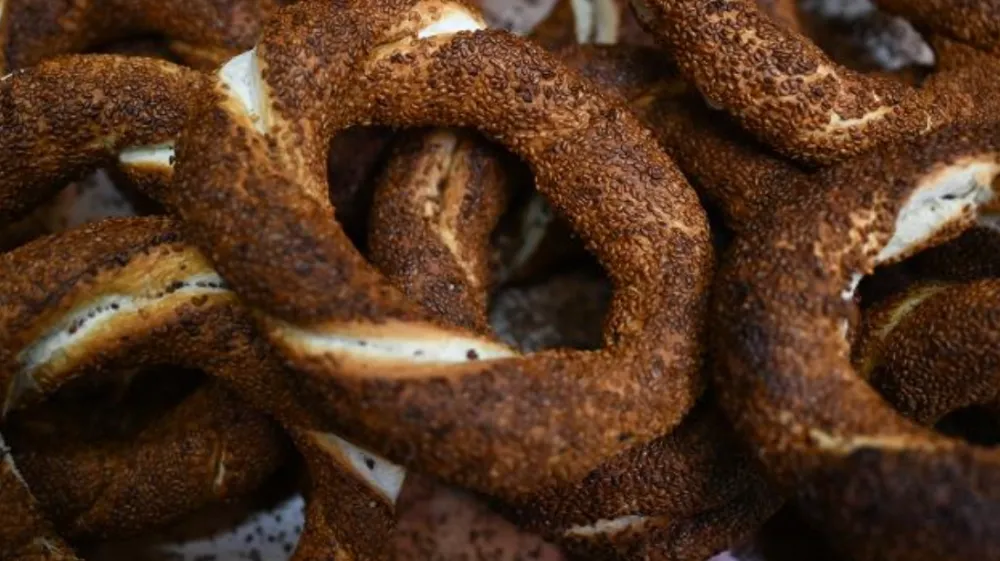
column 436, row 204
column 930, row 350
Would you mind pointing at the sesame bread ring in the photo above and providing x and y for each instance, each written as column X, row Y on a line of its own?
column 70, row 115
column 683, row 496
column 205, row 32
column 450, row 403
column 208, row 448
column 930, row 350
column 784, row 299
column 129, row 292
column 784, row 90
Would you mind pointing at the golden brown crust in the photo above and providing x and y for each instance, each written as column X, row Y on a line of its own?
column 592, row 160
column 208, row 448
column 783, row 89
column 787, row 381
column 155, row 301
column 436, row 204
column 68, row 116
column 684, row 496
column 37, row 30
column 728, row 167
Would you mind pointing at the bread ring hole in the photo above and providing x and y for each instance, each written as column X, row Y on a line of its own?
column 856, row 34
column 115, row 404
column 563, row 310
column 355, row 157
column 550, row 292
column 146, row 45
column 104, row 193
column 106, row 410
column 977, row 424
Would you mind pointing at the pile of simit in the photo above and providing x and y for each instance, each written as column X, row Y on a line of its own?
column 638, row 295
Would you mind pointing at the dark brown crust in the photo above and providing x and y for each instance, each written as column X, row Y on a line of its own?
column 343, row 514
column 785, row 12
column 973, row 256
column 698, row 480
column 210, row 332
column 971, row 21
column 209, row 448
column 70, row 115
column 25, row 534
column 41, row 29
column 788, row 385
column 436, row 204
column 783, row 89
column 729, row 168
column 932, row 349
column 592, row 160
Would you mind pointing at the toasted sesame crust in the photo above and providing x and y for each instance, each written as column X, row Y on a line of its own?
column 930, row 350
column 68, row 116
column 152, row 299
column 209, row 448
column 784, row 90
column 37, row 30
column 787, row 382
column 728, row 167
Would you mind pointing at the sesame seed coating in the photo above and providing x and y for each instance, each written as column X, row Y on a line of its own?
column 591, row 159
column 789, row 387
